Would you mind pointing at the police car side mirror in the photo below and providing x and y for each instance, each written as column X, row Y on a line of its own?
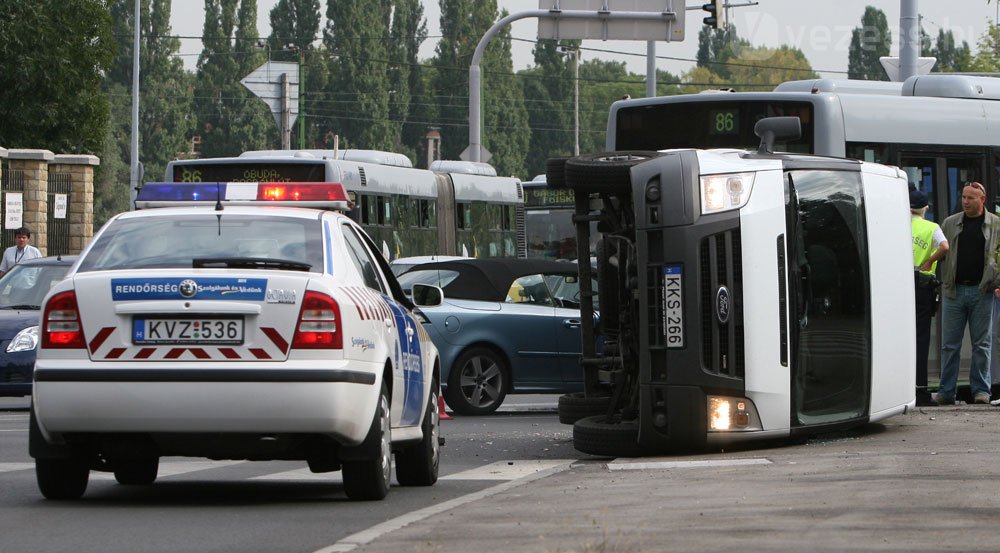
column 425, row 295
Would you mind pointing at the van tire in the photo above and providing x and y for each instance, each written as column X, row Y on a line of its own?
column 577, row 405
column 606, row 172
column 618, row 438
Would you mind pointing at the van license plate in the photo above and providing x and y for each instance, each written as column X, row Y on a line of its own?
column 673, row 305
column 215, row 331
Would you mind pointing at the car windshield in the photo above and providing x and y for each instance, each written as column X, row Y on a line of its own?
column 434, row 277
column 214, row 239
column 25, row 286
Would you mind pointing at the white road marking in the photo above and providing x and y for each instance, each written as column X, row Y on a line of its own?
column 11, row 467
column 367, row 536
column 15, row 430
column 646, row 464
column 507, row 470
column 302, row 474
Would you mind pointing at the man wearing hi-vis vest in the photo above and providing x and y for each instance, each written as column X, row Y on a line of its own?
column 929, row 245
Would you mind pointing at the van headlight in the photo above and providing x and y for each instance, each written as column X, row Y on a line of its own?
column 26, row 340
column 725, row 192
column 732, row 414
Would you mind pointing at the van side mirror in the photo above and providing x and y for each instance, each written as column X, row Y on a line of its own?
column 425, row 295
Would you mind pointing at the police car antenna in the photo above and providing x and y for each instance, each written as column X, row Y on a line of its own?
column 218, row 201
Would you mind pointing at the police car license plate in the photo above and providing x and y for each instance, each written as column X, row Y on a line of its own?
column 222, row 331
column 673, row 305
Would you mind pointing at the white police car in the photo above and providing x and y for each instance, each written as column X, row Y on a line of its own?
column 230, row 330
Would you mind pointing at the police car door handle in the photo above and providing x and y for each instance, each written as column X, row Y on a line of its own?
column 571, row 323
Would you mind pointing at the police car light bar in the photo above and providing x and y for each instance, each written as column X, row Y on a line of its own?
column 326, row 195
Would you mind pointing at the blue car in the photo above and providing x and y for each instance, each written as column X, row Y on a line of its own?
column 21, row 292
column 506, row 325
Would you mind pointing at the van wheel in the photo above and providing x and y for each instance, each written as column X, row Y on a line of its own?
column 477, row 382
column 62, row 478
column 618, row 438
column 369, row 479
column 607, row 172
column 141, row 472
column 417, row 465
column 577, row 405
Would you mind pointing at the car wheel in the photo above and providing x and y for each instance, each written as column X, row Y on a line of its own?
column 607, row 172
column 369, row 478
column 618, row 438
column 477, row 382
column 418, row 464
column 141, row 472
column 62, row 478
column 575, row 406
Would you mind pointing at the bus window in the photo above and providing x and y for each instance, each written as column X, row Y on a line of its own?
column 920, row 172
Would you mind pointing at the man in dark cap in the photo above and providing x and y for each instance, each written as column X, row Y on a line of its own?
column 929, row 245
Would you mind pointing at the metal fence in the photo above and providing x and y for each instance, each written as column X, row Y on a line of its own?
column 58, row 228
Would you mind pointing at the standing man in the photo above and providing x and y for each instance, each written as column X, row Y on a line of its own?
column 929, row 245
column 968, row 282
column 22, row 251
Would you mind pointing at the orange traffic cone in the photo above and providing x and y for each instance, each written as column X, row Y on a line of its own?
column 442, row 415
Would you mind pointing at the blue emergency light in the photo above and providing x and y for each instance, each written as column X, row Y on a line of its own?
column 327, row 195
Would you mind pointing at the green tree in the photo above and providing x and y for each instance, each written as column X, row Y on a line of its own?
column 166, row 89
column 408, row 32
column 548, row 92
column 55, row 53
column 950, row 57
column 716, row 46
column 357, row 32
column 987, row 57
column 230, row 119
column 869, row 42
column 294, row 29
column 506, row 132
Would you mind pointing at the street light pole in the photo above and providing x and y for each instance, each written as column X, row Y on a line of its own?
column 134, row 160
column 575, row 52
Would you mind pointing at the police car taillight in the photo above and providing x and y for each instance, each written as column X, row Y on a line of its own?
column 328, row 195
column 61, row 327
column 319, row 323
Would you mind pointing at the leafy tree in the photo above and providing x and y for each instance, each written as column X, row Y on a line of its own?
column 548, row 92
column 868, row 43
column 408, row 32
column 716, row 46
column 294, row 28
column 506, row 133
column 950, row 58
column 55, row 53
column 357, row 32
column 230, row 119
column 166, row 89
column 987, row 58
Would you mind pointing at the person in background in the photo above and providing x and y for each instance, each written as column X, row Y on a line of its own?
column 929, row 245
column 968, row 285
column 21, row 251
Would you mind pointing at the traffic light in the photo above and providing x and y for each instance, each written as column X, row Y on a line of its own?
column 717, row 14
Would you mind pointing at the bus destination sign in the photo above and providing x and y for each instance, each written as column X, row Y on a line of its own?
column 250, row 172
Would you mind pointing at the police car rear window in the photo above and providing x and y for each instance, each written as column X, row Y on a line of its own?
column 176, row 241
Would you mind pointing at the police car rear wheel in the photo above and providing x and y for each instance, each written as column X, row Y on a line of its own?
column 417, row 465
column 477, row 383
column 607, row 172
column 62, row 478
column 369, row 479
column 137, row 473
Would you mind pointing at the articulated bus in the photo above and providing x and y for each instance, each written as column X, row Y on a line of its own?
column 455, row 208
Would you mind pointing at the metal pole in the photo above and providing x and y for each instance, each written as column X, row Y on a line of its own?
column 302, row 100
column 650, row 68
column 134, row 164
column 576, row 102
column 909, row 40
column 286, row 131
column 475, row 82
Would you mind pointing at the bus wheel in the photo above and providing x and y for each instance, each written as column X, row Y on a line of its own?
column 618, row 438
column 555, row 172
column 477, row 382
column 577, row 405
column 604, row 172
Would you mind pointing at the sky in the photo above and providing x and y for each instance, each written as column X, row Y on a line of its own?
column 820, row 28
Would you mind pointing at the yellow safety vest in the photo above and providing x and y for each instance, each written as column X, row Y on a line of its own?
column 923, row 245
